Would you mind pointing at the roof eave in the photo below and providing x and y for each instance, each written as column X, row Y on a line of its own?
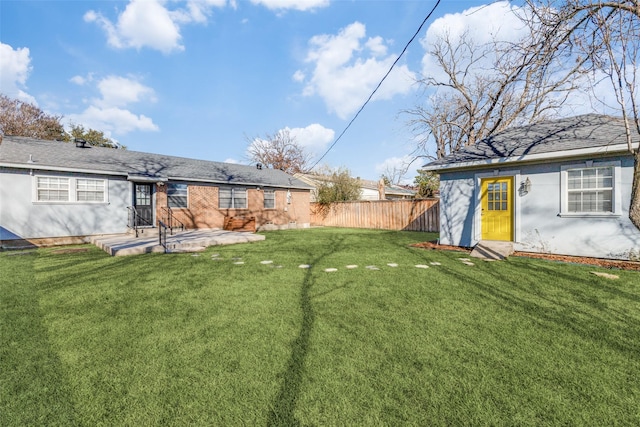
column 530, row 158
column 38, row 166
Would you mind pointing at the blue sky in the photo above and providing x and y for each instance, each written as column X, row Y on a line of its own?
column 197, row 78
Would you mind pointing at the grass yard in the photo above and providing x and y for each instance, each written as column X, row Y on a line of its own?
column 224, row 339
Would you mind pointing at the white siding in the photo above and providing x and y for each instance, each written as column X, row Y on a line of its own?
column 539, row 227
column 22, row 218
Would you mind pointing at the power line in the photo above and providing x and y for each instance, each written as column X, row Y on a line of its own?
column 433, row 9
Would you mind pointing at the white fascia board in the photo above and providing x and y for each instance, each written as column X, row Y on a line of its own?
column 556, row 155
column 37, row 166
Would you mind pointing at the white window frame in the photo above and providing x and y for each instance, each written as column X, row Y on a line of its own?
column 236, row 194
column 186, row 195
column 73, row 188
column 616, row 202
column 91, row 186
column 272, row 199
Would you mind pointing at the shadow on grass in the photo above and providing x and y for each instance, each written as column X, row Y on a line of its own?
column 548, row 297
column 283, row 412
column 34, row 389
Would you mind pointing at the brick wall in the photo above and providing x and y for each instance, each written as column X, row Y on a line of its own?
column 203, row 211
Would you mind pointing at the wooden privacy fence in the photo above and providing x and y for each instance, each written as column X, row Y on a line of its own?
column 413, row 215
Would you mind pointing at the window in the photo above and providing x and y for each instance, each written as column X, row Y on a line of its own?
column 232, row 198
column 269, row 199
column 52, row 189
column 497, row 196
column 591, row 190
column 89, row 190
column 177, row 195
column 55, row 189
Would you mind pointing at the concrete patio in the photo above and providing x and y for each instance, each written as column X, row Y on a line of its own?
column 185, row 241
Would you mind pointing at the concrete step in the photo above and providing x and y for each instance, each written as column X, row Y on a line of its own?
column 492, row 250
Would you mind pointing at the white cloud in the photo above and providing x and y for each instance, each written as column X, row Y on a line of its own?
column 301, row 5
column 347, row 68
column 299, row 76
column 119, row 91
column 315, row 137
column 396, row 165
column 112, row 120
column 149, row 23
column 110, row 112
column 82, row 80
column 15, row 66
column 483, row 24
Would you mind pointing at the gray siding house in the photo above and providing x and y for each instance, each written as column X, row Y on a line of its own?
column 54, row 192
column 560, row 187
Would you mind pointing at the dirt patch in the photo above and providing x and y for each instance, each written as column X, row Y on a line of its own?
column 599, row 262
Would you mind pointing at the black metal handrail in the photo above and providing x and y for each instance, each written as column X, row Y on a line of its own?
column 135, row 219
column 170, row 219
column 162, row 235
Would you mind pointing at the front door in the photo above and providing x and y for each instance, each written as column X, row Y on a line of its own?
column 143, row 202
column 497, row 208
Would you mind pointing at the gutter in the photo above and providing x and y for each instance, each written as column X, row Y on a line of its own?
column 529, row 158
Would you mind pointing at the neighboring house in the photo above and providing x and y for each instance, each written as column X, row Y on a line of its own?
column 369, row 190
column 561, row 187
column 53, row 191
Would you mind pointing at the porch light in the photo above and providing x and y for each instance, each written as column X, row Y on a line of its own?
column 525, row 186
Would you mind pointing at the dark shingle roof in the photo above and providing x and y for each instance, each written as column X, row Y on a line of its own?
column 54, row 155
column 562, row 137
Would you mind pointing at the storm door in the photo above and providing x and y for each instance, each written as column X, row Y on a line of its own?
column 143, row 202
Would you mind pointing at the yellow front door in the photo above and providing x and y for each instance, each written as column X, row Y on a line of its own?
column 497, row 208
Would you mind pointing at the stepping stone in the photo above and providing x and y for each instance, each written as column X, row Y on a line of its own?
column 605, row 275
column 266, row 262
column 304, row 266
column 195, row 254
column 467, row 263
column 372, row 267
column 352, row 266
column 215, row 255
column 330, row 270
column 239, row 262
column 435, row 263
column 421, row 266
column 392, row 264
column 464, row 259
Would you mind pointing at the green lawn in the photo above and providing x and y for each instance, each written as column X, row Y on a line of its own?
column 87, row 339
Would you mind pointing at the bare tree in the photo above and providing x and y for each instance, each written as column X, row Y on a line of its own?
column 20, row 118
column 607, row 34
column 485, row 88
column 279, row 151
